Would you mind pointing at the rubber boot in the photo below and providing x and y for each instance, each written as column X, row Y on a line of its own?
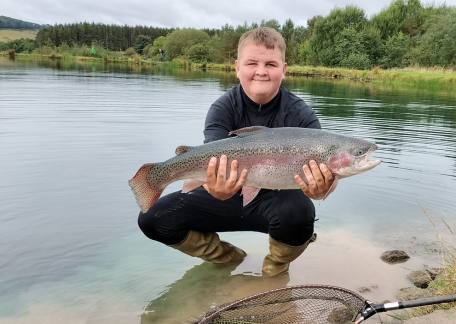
column 281, row 254
column 208, row 247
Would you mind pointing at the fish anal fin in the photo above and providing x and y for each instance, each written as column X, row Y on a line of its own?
column 246, row 131
column 191, row 184
column 182, row 149
column 248, row 194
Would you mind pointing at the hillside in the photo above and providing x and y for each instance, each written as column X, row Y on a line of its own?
column 11, row 23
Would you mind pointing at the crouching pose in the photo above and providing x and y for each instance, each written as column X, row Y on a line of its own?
column 190, row 221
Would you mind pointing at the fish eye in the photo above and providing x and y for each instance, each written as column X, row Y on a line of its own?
column 360, row 151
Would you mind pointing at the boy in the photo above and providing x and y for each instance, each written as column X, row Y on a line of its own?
column 189, row 222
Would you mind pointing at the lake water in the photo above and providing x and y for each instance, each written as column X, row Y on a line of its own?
column 70, row 249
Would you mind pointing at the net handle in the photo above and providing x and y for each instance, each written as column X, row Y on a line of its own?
column 370, row 309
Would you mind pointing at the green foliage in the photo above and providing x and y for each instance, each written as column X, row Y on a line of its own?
column 405, row 16
column 23, row 45
column 438, row 46
column 141, row 41
column 198, row 53
column 179, row 40
column 337, row 36
column 111, row 37
column 395, row 51
column 272, row 23
column 130, row 51
column 403, row 34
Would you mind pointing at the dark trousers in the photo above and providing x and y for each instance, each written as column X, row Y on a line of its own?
column 287, row 215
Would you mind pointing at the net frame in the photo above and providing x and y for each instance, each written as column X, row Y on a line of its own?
column 294, row 304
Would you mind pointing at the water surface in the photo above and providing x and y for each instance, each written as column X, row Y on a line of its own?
column 70, row 249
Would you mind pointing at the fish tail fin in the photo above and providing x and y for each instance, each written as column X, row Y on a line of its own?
column 146, row 190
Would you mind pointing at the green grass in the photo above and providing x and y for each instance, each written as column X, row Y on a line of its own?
column 445, row 282
column 7, row 35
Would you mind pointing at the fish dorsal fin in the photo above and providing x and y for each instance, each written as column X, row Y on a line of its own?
column 183, row 149
column 246, row 131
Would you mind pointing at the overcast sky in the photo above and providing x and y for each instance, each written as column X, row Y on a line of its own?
column 181, row 13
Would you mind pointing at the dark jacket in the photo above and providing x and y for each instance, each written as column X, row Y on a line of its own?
column 235, row 110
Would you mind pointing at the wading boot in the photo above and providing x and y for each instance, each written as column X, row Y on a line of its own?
column 281, row 254
column 208, row 247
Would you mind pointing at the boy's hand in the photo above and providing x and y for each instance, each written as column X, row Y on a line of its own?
column 318, row 180
column 217, row 184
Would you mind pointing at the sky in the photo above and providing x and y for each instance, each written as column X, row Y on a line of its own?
column 182, row 13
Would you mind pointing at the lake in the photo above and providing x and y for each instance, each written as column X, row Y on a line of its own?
column 71, row 137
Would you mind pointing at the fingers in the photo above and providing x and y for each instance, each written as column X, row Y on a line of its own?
column 218, row 185
column 318, row 180
column 233, row 173
column 316, row 174
column 327, row 174
column 241, row 180
column 211, row 171
column 221, row 172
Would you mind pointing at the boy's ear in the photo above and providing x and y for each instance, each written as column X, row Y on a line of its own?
column 285, row 66
column 236, row 64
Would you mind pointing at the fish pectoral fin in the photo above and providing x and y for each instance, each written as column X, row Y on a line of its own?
column 248, row 194
column 333, row 187
column 246, row 131
column 191, row 184
column 183, row 149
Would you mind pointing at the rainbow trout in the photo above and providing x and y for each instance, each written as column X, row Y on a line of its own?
column 272, row 156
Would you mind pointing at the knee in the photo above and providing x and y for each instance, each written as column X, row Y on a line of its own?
column 159, row 224
column 295, row 221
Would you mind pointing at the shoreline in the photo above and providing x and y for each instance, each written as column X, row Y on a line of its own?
column 416, row 76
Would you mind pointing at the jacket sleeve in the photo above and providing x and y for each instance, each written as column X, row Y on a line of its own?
column 219, row 120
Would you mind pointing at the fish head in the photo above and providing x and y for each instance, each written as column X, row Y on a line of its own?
column 352, row 157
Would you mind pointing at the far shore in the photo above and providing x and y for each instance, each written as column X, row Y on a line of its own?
column 415, row 76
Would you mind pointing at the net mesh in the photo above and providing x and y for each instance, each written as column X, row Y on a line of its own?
column 297, row 304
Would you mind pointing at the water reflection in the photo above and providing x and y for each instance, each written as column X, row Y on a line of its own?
column 203, row 287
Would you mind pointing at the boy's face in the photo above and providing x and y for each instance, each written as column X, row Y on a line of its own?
column 260, row 71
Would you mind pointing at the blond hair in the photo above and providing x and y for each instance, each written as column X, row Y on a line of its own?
column 266, row 36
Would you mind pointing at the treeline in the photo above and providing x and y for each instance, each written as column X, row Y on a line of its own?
column 11, row 23
column 404, row 34
column 110, row 37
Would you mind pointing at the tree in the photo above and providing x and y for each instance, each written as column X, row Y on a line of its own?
column 395, row 51
column 141, row 42
column 340, row 28
column 181, row 39
column 437, row 46
column 405, row 16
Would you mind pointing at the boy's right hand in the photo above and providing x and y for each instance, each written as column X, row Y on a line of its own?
column 217, row 184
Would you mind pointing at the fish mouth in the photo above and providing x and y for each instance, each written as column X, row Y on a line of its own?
column 361, row 163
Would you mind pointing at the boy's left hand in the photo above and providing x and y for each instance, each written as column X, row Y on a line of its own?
column 319, row 180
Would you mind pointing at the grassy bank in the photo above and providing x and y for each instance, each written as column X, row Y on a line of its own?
column 443, row 284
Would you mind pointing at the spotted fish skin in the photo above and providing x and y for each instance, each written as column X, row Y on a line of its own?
column 272, row 156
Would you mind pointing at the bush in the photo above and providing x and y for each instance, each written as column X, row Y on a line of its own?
column 179, row 40
column 130, row 51
column 359, row 61
column 395, row 51
column 198, row 53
